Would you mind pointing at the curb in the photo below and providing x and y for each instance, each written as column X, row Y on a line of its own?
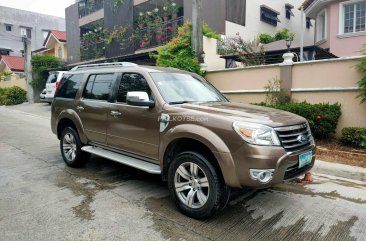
column 340, row 170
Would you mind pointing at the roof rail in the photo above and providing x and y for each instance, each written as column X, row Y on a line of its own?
column 104, row 65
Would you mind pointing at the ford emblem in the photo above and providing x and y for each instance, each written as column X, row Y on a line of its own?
column 302, row 138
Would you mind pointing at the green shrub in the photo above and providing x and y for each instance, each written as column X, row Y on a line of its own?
column 2, row 92
column 275, row 95
column 265, row 38
column 12, row 96
column 208, row 32
column 284, row 34
column 323, row 118
column 354, row 136
column 179, row 54
column 41, row 65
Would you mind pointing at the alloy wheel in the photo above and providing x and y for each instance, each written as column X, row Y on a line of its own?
column 69, row 147
column 191, row 185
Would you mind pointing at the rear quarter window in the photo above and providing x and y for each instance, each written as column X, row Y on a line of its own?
column 69, row 86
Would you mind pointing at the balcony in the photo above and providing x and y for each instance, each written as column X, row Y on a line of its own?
column 87, row 7
column 153, row 36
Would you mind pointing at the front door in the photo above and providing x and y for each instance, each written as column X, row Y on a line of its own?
column 93, row 107
column 133, row 129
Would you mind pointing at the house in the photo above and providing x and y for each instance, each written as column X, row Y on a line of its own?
column 12, row 72
column 269, row 16
column 55, row 44
column 16, row 23
column 11, row 64
column 87, row 20
column 340, row 25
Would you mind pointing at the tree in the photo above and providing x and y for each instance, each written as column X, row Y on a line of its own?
column 41, row 65
column 178, row 53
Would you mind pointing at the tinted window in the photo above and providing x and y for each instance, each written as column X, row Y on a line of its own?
column 98, row 87
column 89, row 87
column 69, row 86
column 132, row 82
column 52, row 78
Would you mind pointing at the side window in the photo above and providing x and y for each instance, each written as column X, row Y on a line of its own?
column 98, row 87
column 89, row 87
column 132, row 82
column 69, row 86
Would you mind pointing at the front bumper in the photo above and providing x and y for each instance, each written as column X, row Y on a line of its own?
column 284, row 164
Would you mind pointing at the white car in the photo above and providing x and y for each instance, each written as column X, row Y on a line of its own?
column 42, row 96
column 52, row 84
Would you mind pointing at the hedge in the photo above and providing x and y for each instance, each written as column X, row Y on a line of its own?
column 323, row 117
column 354, row 136
column 12, row 96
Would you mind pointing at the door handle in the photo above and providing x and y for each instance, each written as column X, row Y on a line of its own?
column 116, row 113
column 79, row 108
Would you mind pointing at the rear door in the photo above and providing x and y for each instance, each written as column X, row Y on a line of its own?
column 133, row 129
column 51, row 84
column 93, row 106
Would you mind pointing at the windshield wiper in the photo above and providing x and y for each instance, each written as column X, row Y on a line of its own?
column 180, row 102
column 186, row 101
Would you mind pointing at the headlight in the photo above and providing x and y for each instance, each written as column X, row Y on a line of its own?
column 256, row 134
column 311, row 138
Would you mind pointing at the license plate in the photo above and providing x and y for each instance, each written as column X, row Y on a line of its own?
column 305, row 159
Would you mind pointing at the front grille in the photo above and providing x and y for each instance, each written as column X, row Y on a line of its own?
column 294, row 138
column 294, row 171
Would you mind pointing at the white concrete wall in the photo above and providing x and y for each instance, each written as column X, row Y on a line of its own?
column 212, row 60
column 255, row 26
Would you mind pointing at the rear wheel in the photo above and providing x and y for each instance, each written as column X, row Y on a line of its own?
column 196, row 186
column 70, row 146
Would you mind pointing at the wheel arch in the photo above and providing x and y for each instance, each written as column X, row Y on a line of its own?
column 188, row 137
column 70, row 118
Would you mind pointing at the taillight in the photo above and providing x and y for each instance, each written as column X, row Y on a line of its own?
column 57, row 85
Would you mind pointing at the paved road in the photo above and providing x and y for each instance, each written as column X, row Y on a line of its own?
column 42, row 199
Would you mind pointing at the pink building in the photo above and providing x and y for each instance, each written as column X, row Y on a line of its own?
column 340, row 25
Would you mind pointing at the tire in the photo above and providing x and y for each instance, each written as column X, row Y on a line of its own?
column 201, row 197
column 70, row 146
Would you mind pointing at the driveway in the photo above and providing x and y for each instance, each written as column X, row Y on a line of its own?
column 43, row 199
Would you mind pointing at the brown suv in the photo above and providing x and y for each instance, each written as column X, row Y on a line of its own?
column 174, row 123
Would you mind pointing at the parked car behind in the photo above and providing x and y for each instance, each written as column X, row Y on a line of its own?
column 42, row 95
column 175, row 124
column 52, row 84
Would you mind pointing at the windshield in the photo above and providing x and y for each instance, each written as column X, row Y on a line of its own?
column 182, row 88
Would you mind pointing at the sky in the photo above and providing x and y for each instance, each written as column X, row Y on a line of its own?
column 50, row 7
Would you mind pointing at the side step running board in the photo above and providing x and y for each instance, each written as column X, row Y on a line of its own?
column 127, row 160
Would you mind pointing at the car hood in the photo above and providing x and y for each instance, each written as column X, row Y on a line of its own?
column 248, row 113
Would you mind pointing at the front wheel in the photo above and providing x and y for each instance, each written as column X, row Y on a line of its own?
column 70, row 146
column 196, row 186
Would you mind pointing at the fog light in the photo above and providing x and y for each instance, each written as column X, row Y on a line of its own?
column 261, row 175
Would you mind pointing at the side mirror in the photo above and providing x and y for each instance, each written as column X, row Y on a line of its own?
column 139, row 98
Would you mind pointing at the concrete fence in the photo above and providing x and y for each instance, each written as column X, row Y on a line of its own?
column 320, row 81
column 13, row 80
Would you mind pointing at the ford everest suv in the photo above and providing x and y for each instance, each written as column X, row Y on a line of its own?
column 175, row 124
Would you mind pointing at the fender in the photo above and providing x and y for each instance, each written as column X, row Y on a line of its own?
column 208, row 138
column 74, row 117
